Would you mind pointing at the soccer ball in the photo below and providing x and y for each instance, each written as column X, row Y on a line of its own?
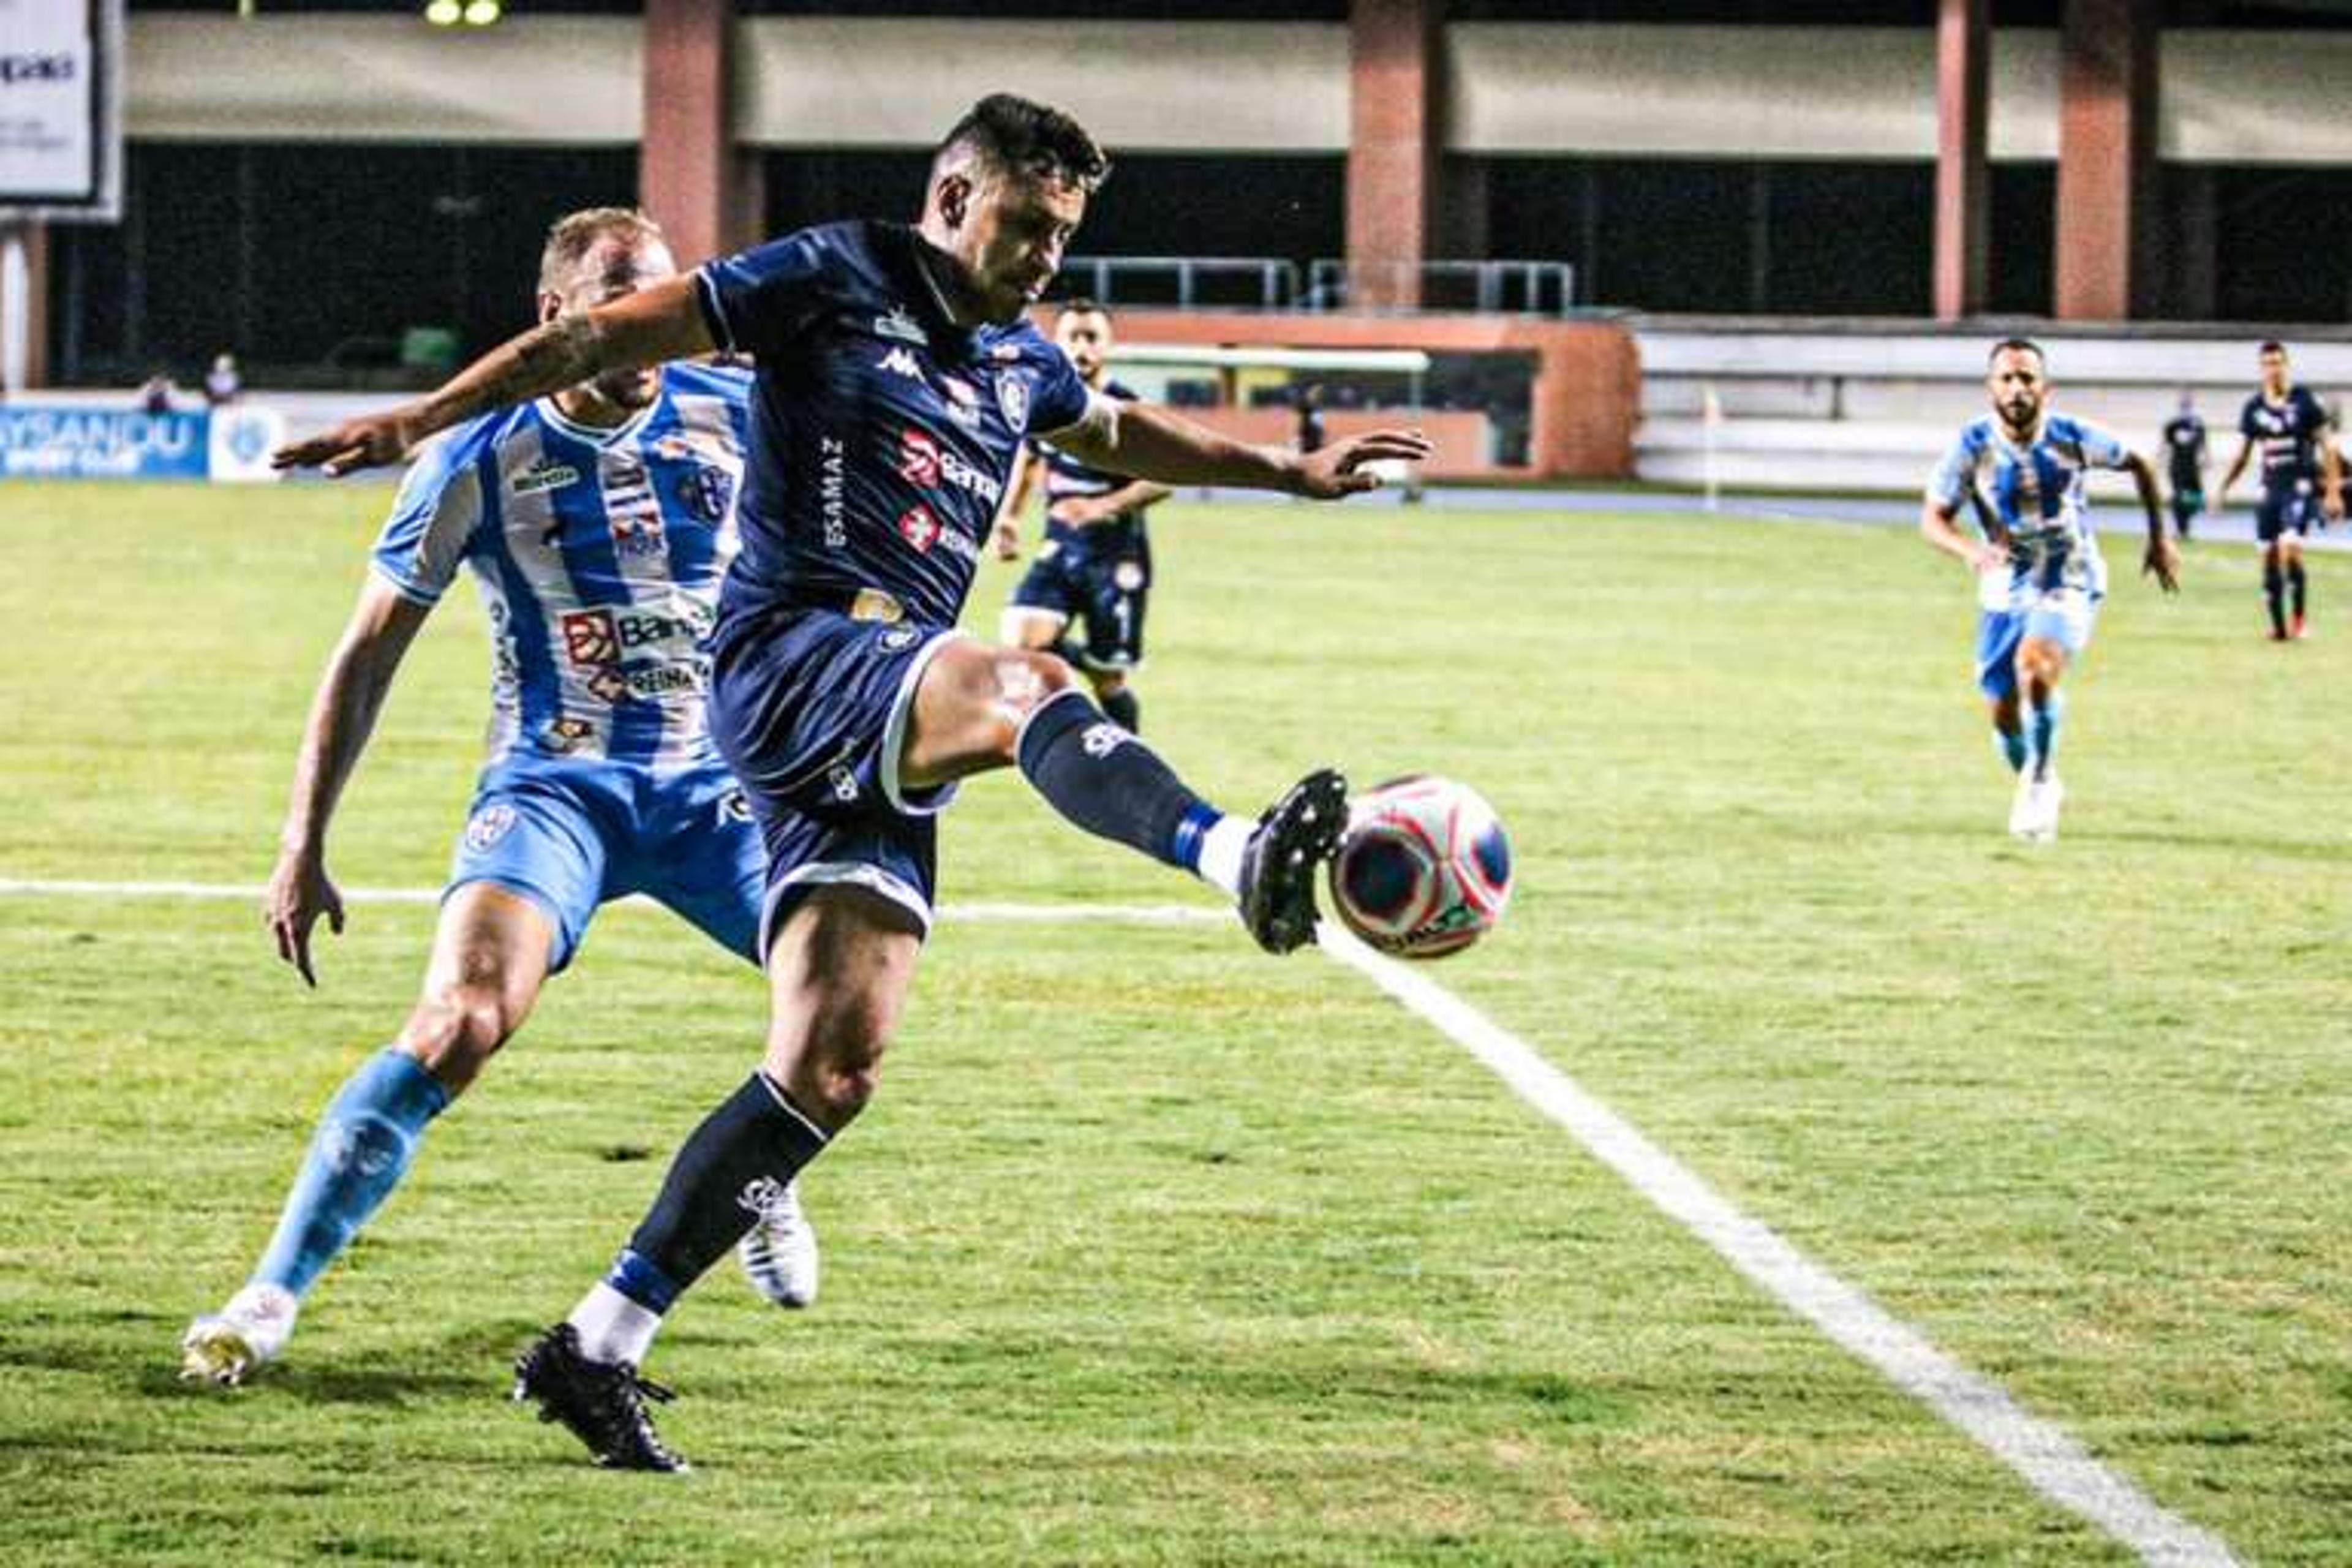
column 1423, row 869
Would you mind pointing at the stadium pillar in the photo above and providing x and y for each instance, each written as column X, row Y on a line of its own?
column 1393, row 147
column 2105, row 225
column 24, row 306
column 1963, row 177
column 691, row 176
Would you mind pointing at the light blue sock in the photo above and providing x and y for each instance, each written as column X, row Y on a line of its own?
column 358, row 1155
column 2012, row 748
column 2041, row 729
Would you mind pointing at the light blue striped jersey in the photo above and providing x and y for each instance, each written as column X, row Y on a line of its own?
column 598, row 555
column 2033, row 494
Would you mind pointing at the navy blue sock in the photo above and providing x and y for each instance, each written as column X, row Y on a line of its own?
column 1121, row 707
column 365, row 1138
column 2274, row 595
column 716, row 1186
column 2295, row 581
column 1111, row 783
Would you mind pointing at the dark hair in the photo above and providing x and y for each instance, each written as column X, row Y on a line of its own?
column 2021, row 345
column 575, row 234
column 1011, row 134
column 2270, row 346
column 1080, row 305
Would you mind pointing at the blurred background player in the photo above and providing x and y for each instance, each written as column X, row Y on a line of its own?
column 842, row 693
column 597, row 522
column 2185, row 459
column 2039, row 574
column 2289, row 426
column 1095, row 566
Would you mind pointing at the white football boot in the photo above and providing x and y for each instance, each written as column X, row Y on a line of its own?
column 2034, row 815
column 228, row 1346
column 779, row 1252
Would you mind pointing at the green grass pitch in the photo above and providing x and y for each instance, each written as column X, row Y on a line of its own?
column 1155, row 1251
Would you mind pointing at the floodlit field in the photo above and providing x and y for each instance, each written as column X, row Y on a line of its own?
column 1155, row 1250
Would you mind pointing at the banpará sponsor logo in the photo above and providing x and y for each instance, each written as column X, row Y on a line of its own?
column 926, row 461
column 604, row 636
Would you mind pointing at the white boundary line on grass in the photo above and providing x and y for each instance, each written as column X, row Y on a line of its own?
column 2049, row 1459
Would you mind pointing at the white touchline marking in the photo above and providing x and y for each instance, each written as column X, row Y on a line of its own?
column 2050, row 1460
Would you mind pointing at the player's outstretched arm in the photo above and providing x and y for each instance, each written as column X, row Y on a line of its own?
column 2331, row 477
column 661, row 322
column 1151, row 443
column 2162, row 560
column 342, row 714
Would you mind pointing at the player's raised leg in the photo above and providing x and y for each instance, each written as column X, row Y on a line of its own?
column 838, row 975
column 980, row 708
column 490, row 955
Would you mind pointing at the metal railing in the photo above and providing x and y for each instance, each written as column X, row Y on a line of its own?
column 1271, row 283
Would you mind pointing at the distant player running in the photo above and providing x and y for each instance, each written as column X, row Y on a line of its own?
column 2185, row 461
column 847, row 702
column 2039, row 574
column 2287, row 424
column 597, row 522
column 1086, row 593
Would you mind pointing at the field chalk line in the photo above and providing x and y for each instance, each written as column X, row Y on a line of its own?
column 2050, row 1460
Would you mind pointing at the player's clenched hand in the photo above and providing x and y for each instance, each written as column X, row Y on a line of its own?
column 300, row 892
column 367, row 442
column 1006, row 537
column 2331, row 507
column 1340, row 468
column 2163, row 563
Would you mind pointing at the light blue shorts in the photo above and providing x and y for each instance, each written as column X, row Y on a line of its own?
column 2065, row 616
column 573, row 833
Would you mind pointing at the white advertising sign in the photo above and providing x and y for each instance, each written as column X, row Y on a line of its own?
column 61, row 150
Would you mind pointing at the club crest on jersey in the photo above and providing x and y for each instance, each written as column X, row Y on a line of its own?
column 710, row 493
column 540, row 477
column 1013, row 401
column 490, row 824
column 900, row 362
column 895, row 323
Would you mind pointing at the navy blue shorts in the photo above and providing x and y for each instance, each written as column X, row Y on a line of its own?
column 1107, row 594
column 2284, row 510
column 810, row 709
column 570, row 834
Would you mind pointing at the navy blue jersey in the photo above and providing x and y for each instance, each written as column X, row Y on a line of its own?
column 2287, row 434
column 1067, row 479
column 882, row 434
column 2184, row 446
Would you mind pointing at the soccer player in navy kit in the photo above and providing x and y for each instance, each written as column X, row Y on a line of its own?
column 897, row 380
column 2184, row 452
column 1095, row 567
column 2287, row 423
column 597, row 523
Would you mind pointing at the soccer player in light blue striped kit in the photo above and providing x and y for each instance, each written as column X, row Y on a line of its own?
column 597, row 523
column 2040, row 578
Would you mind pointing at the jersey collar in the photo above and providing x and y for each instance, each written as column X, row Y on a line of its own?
column 596, row 434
